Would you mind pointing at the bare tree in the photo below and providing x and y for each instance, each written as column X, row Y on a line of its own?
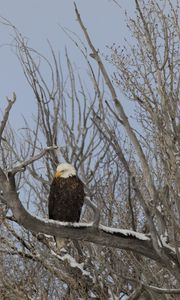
column 129, row 230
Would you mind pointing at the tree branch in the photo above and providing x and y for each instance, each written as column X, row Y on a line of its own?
column 25, row 163
column 162, row 290
column 120, row 110
column 6, row 114
column 95, row 211
column 78, row 231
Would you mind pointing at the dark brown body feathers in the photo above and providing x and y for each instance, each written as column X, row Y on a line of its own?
column 66, row 199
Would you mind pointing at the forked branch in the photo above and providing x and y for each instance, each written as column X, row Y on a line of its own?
column 76, row 231
column 25, row 163
column 6, row 114
column 119, row 108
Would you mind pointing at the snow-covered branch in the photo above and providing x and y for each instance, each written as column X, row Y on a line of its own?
column 122, row 239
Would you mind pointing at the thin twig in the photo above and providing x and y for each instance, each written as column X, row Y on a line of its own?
column 6, row 114
column 119, row 108
column 96, row 211
column 25, row 163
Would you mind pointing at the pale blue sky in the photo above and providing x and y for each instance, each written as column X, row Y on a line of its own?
column 39, row 21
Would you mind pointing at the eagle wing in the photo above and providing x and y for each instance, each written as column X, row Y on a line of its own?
column 66, row 199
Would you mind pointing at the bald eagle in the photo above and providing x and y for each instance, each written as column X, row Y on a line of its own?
column 66, row 197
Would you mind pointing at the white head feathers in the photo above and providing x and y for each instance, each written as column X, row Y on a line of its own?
column 65, row 170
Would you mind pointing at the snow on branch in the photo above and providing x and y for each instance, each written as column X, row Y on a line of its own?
column 102, row 235
column 75, row 231
column 72, row 262
column 125, row 232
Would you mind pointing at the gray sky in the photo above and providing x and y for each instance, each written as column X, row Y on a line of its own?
column 39, row 21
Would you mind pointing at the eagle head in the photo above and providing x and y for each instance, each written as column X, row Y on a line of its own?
column 65, row 170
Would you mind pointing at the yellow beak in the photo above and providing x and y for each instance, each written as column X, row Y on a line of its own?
column 58, row 174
